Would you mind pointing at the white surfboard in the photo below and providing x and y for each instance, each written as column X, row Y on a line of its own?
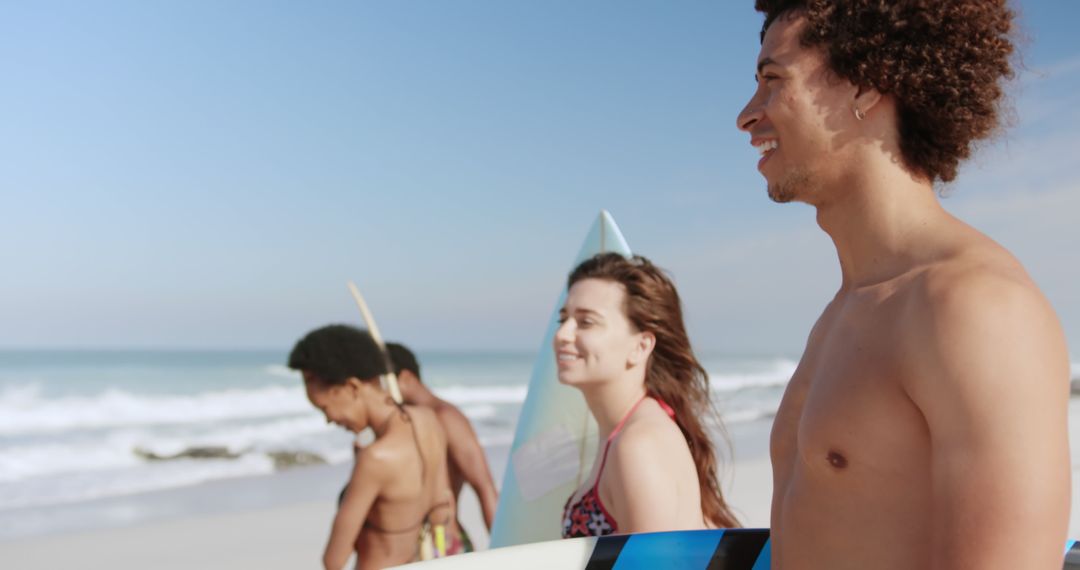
column 719, row 549
column 555, row 440
column 389, row 380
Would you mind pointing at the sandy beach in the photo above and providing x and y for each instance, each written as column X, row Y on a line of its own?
column 230, row 532
column 292, row 534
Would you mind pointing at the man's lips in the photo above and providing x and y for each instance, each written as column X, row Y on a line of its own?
column 764, row 144
column 765, row 147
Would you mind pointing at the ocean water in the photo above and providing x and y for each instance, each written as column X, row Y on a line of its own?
column 75, row 426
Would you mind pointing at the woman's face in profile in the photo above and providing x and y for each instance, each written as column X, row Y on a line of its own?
column 595, row 339
column 337, row 402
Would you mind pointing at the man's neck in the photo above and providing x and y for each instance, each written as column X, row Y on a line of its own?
column 882, row 221
column 417, row 394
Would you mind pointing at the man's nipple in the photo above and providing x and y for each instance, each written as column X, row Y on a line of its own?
column 836, row 459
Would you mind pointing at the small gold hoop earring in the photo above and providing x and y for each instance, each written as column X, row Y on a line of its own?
column 859, row 115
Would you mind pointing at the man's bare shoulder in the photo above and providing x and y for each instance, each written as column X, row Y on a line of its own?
column 976, row 260
column 422, row 414
column 454, row 422
column 975, row 283
column 449, row 414
column 976, row 309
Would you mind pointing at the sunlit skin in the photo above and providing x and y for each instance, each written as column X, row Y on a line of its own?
column 467, row 462
column 385, row 487
column 650, row 482
column 926, row 423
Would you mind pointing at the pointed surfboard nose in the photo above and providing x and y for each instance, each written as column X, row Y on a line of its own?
column 555, row 437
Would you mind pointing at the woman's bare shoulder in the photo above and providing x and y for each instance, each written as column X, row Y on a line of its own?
column 650, row 435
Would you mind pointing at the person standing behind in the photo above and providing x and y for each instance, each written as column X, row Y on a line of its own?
column 621, row 341
column 926, row 423
column 399, row 496
column 467, row 461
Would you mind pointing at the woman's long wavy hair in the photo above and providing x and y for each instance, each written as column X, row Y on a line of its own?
column 674, row 374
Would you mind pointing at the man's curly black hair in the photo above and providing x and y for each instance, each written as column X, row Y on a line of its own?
column 403, row 359
column 336, row 353
column 942, row 60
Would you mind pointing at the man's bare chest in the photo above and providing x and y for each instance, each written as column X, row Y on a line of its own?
column 846, row 408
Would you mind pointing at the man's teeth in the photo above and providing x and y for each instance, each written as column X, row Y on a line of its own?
column 765, row 147
column 567, row 357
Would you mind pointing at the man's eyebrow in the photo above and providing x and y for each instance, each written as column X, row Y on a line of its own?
column 765, row 61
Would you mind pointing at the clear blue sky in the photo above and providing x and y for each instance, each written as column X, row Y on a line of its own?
column 209, row 174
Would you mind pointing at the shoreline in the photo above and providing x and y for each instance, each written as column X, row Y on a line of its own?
column 282, row 521
column 299, row 485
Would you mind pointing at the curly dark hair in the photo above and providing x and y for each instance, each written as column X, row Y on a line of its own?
column 403, row 359
column 942, row 60
column 338, row 352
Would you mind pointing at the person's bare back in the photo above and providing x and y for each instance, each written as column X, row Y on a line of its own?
column 410, row 460
column 466, row 460
column 466, row 455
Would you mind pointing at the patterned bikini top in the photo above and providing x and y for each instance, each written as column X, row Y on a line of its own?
column 588, row 517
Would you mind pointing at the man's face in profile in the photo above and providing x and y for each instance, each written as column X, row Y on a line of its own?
column 796, row 113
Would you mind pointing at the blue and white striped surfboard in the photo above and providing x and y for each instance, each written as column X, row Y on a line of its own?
column 1072, row 556
column 721, row 549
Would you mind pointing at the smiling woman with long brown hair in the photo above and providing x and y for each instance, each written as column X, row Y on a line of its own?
column 622, row 342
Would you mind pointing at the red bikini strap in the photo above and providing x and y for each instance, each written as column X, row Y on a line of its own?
column 626, row 416
column 615, row 432
column 664, row 406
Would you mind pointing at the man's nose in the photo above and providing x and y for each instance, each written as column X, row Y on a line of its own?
column 749, row 115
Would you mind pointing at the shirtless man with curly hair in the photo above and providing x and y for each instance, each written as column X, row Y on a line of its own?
column 926, row 424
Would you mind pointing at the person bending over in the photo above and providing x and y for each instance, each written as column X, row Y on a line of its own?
column 399, row 495
column 467, row 461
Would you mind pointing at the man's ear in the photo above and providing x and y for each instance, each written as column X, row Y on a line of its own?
column 642, row 349
column 866, row 99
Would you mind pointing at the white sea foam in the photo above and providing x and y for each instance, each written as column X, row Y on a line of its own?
column 281, row 371
column 748, row 415
column 480, row 411
column 463, row 395
column 774, row 374
column 77, row 446
column 24, row 411
column 116, row 449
